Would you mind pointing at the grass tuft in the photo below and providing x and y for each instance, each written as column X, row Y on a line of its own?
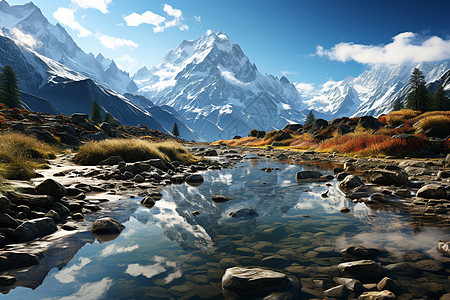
column 434, row 121
column 132, row 150
column 20, row 155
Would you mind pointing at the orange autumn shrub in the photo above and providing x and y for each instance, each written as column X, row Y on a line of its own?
column 396, row 118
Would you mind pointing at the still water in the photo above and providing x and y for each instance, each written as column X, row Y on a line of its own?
column 167, row 252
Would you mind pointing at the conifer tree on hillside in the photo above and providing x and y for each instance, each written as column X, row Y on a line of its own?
column 440, row 100
column 418, row 98
column 398, row 105
column 310, row 118
column 9, row 88
column 175, row 130
column 96, row 113
column 111, row 120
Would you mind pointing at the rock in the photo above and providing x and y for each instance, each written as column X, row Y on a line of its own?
column 429, row 265
column 385, row 177
column 30, row 200
column 254, row 280
column 60, row 209
column 34, row 229
column 210, row 152
column 307, row 175
column 358, row 253
column 386, row 284
column 378, row 197
column 5, row 204
column 79, row 117
column 69, row 227
column 244, row 213
column 443, row 247
column 362, row 269
column 446, row 161
column 54, row 215
column 403, row 193
column 341, row 176
column 13, row 259
column 339, row 291
column 68, row 139
column 402, row 268
column 6, row 221
column 106, row 226
column 344, row 210
column 350, row 182
column 220, row 198
column 6, row 280
column 432, row 191
column 77, row 216
column 148, row 202
column 445, row 297
column 42, row 135
column 350, row 284
column 195, row 179
column 443, row 175
column 139, row 178
column 377, row 295
column 112, row 161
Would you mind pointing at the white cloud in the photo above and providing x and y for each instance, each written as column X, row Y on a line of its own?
column 198, row 19
column 146, row 18
column 404, row 48
column 101, row 5
column 288, row 73
column 67, row 275
column 148, row 271
column 25, row 39
column 91, row 290
column 174, row 19
column 114, row 249
column 66, row 17
column 111, row 42
column 303, row 86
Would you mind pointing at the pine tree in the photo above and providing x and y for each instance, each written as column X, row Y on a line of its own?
column 310, row 118
column 96, row 113
column 9, row 88
column 175, row 130
column 418, row 98
column 440, row 100
column 398, row 105
column 111, row 120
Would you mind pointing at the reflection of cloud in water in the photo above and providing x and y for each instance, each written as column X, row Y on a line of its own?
column 91, row 290
column 129, row 233
column 114, row 249
column 149, row 271
column 68, row 274
column 313, row 199
column 223, row 178
column 394, row 242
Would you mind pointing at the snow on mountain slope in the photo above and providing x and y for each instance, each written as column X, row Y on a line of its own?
column 218, row 90
column 27, row 24
column 373, row 92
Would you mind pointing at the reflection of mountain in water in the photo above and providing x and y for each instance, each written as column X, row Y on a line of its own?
column 267, row 193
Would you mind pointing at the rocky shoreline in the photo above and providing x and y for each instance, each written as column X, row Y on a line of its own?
column 66, row 209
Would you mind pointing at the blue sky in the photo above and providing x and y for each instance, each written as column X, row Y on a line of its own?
column 281, row 37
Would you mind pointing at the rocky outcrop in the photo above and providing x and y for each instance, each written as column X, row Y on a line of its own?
column 385, row 177
column 350, row 182
column 432, row 191
column 52, row 188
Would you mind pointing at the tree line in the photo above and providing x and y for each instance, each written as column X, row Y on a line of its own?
column 419, row 98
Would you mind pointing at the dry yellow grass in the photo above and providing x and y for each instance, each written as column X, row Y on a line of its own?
column 434, row 121
column 396, row 118
column 132, row 150
column 429, row 114
column 20, row 155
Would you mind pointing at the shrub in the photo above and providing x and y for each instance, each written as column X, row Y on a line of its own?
column 132, row 150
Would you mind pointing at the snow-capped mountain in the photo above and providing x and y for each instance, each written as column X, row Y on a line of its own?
column 218, row 90
column 374, row 91
column 28, row 26
column 67, row 85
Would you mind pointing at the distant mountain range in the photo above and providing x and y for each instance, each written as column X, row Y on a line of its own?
column 208, row 86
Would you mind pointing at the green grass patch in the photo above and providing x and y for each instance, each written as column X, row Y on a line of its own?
column 132, row 150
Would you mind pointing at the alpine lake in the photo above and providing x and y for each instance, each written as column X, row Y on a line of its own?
column 167, row 252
